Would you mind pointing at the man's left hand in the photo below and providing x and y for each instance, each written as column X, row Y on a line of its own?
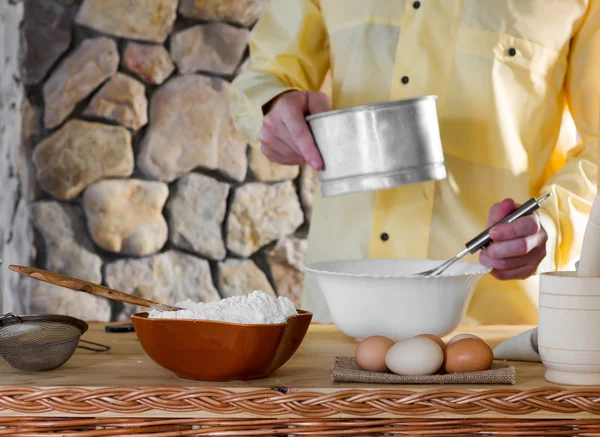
column 518, row 247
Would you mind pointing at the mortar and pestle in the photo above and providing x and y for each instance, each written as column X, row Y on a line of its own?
column 569, row 315
column 567, row 338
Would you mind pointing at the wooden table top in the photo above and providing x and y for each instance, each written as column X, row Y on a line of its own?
column 127, row 365
column 125, row 381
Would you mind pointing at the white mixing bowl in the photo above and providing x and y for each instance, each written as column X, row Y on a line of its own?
column 378, row 297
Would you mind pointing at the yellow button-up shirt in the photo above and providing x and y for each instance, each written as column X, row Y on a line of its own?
column 515, row 80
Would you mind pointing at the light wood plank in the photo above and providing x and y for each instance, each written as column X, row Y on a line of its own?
column 126, row 365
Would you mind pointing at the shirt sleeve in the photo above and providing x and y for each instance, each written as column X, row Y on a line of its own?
column 289, row 50
column 574, row 186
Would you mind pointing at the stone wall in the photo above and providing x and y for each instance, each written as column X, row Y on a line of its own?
column 142, row 182
column 15, row 230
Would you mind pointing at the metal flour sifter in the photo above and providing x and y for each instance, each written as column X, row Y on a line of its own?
column 42, row 342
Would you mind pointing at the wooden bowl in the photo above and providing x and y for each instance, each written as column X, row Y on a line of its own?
column 218, row 351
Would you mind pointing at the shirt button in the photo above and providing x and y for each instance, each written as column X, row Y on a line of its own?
column 385, row 237
column 405, row 80
column 416, row 5
column 512, row 51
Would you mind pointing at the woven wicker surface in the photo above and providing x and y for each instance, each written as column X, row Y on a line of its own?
column 271, row 403
column 95, row 427
column 126, row 383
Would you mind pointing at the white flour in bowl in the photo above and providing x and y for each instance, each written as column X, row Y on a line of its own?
column 255, row 308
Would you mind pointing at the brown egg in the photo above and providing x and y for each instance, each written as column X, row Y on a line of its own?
column 468, row 355
column 438, row 340
column 370, row 353
column 461, row 337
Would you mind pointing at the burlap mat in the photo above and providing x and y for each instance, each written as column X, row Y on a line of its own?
column 345, row 369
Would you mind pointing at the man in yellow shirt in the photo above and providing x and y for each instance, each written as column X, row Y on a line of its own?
column 515, row 80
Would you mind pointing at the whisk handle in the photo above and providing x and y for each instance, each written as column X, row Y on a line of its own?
column 483, row 240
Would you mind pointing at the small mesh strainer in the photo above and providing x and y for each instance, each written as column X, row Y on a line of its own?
column 41, row 342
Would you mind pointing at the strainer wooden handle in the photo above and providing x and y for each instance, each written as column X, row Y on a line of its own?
column 88, row 287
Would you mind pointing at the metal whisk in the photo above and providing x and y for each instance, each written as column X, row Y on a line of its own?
column 483, row 240
column 41, row 342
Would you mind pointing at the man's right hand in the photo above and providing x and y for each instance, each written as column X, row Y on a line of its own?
column 285, row 137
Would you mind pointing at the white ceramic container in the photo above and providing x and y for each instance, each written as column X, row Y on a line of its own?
column 379, row 297
column 569, row 328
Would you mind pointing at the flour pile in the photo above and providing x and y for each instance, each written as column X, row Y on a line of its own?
column 256, row 308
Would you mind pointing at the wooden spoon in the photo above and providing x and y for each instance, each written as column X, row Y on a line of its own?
column 88, row 287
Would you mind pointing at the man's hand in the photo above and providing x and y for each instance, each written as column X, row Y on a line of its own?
column 518, row 247
column 285, row 137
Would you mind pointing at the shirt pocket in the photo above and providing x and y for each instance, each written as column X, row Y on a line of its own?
column 504, row 93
